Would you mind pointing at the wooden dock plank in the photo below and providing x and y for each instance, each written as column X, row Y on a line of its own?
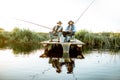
column 77, row 42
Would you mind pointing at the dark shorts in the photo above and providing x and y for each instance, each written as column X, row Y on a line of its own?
column 66, row 33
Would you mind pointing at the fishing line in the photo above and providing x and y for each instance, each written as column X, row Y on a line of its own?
column 50, row 28
column 34, row 24
column 84, row 11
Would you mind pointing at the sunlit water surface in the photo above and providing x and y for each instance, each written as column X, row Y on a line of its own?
column 95, row 66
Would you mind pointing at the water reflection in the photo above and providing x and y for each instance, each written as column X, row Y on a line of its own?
column 24, row 48
column 95, row 66
column 57, row 63
column 59, row 58
column 3, row 45
column 57, row 51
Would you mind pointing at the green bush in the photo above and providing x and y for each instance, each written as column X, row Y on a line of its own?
column 104, row 40
column 26, row 36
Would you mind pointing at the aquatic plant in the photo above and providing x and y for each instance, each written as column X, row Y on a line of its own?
column 26, row 36
column 101, row 41
column 104, row 40
column 4, row 36
column 80, row 34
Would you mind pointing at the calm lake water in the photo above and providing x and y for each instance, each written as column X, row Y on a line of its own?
column 95, row 66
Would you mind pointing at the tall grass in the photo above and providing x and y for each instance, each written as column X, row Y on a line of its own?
column 26, row 36
column 104, row 40
column 4, row 36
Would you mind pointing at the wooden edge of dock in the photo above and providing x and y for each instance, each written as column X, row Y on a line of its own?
column 73, row 42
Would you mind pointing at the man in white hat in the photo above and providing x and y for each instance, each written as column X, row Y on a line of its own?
column 70, row 31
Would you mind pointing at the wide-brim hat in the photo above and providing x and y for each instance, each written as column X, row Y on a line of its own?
column 70, row 22
column 59, row 22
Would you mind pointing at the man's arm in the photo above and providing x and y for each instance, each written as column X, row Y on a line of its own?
column 60, row 29
column 74, row 29
column 53, row 30
column 67, row 29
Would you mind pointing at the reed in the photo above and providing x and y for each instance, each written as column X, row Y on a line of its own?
column 26, row 36
column 101, row 41
column 4, row 36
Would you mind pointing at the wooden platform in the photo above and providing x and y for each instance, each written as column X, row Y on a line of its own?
column 63, row 48
column 74, row 42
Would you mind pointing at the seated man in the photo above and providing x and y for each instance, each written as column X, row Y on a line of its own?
column 57, row 31
column 70, row 31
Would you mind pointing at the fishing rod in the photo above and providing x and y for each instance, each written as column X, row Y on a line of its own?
column 84, row 11
column 50, row 28
column 34, row 24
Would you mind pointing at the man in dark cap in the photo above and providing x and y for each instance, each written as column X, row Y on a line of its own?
column 57, row 31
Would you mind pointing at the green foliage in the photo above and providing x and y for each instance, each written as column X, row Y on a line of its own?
column 4, row 36
column 104, row 40
column 22, row 41
column 80, row 34
column 26, row 36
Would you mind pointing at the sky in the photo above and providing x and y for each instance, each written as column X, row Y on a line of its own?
column 102, row 15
